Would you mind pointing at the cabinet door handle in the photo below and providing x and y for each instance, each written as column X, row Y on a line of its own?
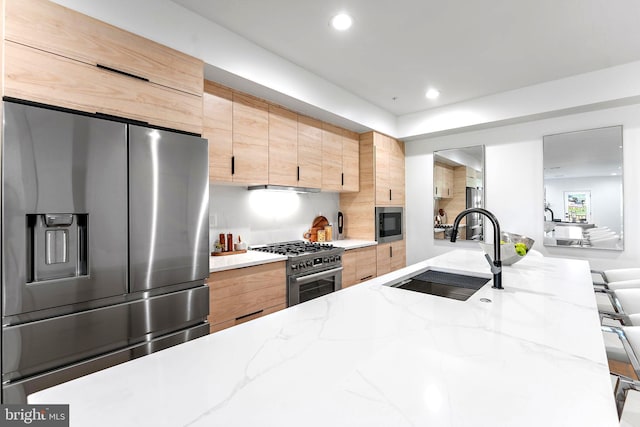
column 389, row 194
column 390, row 252
column 249, row 315
column 233, row 165
column 436, row 190
column 366, row 278
column 298, row 173
column 124, row 73
column 342, row 178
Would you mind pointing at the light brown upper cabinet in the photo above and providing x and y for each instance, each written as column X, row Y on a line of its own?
column 389, row 167
column 443, row 181
column 250, row 162
column 57, row 56
column 217, row 127
column 283, row 146
column 331, row 157
column 309, row 152
column 350, row 161
column 340, row 159
column 237, row 127
column 254, row 142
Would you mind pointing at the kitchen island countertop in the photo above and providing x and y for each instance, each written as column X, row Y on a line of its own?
column 372, row 355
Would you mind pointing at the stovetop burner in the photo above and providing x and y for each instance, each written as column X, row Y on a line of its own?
column 294, row 248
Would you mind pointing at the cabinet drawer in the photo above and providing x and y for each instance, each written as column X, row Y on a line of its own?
column 229, row 323
column 241, row 293
column 53, row 28
column 43, row 77
column 238, row 307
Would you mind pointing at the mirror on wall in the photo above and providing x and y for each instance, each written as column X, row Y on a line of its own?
column 583, row 189
column 458, row 184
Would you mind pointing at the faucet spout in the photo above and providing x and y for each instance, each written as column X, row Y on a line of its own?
column 496, row 265
column 549, row 209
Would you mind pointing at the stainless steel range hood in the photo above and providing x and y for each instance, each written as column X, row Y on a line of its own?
column 284, row 188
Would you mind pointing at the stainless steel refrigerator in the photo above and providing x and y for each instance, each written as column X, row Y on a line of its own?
column 474, row 228
column 104, row 244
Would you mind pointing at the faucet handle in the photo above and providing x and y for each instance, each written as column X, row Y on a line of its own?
column 494, row 268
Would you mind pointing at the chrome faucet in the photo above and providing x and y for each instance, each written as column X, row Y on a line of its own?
column 496, row 264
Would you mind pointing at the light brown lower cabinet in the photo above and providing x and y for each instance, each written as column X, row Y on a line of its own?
column 391, row 256
column 243, row 294
column 358, row 265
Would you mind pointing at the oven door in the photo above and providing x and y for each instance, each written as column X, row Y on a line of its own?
column 303, row 288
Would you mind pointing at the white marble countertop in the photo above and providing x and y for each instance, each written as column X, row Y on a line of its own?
column 248, row 259
column 372, row 355
column 348, row 244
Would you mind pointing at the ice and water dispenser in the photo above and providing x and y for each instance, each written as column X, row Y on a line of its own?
column 56, row 246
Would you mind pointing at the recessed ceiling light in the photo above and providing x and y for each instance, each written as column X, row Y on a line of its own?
column 432, row 93
column 341, row 22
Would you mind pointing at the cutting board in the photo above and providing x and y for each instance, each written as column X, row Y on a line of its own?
column 318, row 223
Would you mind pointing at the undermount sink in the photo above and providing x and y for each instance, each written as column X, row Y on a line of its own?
column 443, row 284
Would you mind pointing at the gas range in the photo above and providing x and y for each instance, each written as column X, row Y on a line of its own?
column 313, row 269
column 305, row 257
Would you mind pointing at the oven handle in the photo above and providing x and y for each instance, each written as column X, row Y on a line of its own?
column 315, row 276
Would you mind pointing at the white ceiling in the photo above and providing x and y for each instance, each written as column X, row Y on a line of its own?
column 467, row 49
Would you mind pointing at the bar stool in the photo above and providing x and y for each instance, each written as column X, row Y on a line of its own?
column 617, row 274
column 626, row 303
column 611, row 280
column 629, row 336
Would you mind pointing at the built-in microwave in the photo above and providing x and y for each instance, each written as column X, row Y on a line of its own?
column 389, row 224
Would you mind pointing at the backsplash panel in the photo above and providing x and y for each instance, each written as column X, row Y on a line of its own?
column 261, row 216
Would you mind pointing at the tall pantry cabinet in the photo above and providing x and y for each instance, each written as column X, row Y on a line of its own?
column 381, row 184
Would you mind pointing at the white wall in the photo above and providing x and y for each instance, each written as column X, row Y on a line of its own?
column 266, row 217
column 606, row 198
column 514, row 183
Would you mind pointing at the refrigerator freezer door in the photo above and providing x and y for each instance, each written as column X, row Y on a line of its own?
column 64, row 204
column 169, row 208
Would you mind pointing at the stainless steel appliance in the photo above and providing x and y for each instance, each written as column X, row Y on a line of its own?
column 474, row 221
column 389, row 224
column 104, row 248
column 313, row 269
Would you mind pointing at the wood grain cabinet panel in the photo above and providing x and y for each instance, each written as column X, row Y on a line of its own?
column 43, row 77
column 250, row 139
column 57, row 56
column 48, row 26
column 283, row 146
column 331, row 157
column 396, row 172
column 390, row 256
column 217, row 127
column 246, row 293
column 309, row 152
column 350, row 161
column 358, row 265
column 443, row 181
column 382, row 165
column 389, row 162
